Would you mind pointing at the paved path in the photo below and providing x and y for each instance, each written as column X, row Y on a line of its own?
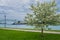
column 31, row 30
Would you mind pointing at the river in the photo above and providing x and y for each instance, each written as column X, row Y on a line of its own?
column 27, row 26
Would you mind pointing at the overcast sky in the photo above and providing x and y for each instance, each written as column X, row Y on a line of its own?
column 17, row 9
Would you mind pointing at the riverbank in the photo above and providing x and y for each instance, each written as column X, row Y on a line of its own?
column 31, row 30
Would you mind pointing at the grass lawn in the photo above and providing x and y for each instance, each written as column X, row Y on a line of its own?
column 21, row 35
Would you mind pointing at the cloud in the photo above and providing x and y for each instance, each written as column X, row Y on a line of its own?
column 41, row 1
column 11, row 2
column 11, row 14
column 17, row 9
column 16, row 4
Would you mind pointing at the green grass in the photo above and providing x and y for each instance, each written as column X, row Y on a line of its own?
column 21, row 35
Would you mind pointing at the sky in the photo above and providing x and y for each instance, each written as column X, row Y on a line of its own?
column 17, row 9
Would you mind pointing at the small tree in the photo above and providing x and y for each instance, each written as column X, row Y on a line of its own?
column 44, row 14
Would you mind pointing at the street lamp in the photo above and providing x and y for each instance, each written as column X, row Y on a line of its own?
column 4, row 18
column 5, row 21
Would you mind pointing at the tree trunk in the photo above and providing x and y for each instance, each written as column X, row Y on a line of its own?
column 42, row 35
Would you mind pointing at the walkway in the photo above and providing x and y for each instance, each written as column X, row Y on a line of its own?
column 31, row 30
